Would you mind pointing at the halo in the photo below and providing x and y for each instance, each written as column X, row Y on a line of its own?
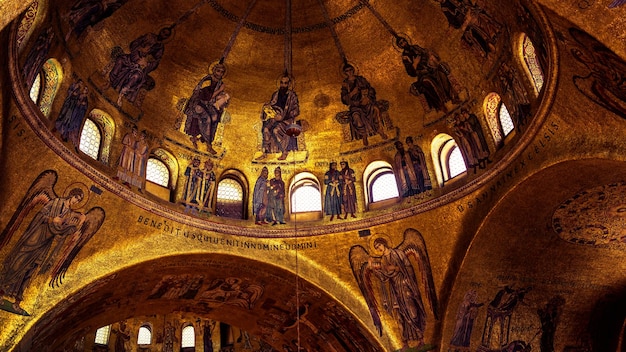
column 172, row 28
column 400, row 35
column 377, row 236
column 356, row 68
column 85, row 190
column 212, row 65
column 292, row 81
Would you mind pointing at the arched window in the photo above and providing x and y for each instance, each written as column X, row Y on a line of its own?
column 380, row 182
column 51, row 76
column 491, row 106
column 106, row 125
column 448, row 159
column 144, row 337
column 31, row 16
column 35, row 90
column 102, row 335
column 230, row 195
column 505, row 120
column 90, row 139
column 305, row 193
column 188, row 339
column 455, row 162
column 157, row 172
column 532, row 63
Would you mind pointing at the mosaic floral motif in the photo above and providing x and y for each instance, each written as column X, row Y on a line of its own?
column 595, row 216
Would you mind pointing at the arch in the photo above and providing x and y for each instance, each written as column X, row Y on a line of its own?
column 305, row 196
column 531, row 64
column 102, row 335
column 90, row 139
column 188, row 337
column 52, row 74
column 446, row 153
column 491, row 109
column 268, row 279
column 505, row 120
column 231, row 192
column 105, row 123
column 144, row 335
column 380, row 183
column 170, row 161
column 31, row 18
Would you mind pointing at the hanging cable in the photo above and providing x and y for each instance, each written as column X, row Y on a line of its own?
column 231, row 41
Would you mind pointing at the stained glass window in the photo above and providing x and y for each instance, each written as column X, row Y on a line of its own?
column 35, row 89
column 188, row 337
column 229, row 199
column 145, row 335
column 306, row 196
column 456, row 164
column 505, row 120
column 384, row 186
column 90, row 139
column 102, row 335
column 157, row 172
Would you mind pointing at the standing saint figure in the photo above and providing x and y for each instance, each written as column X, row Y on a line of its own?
column 399, row 286
column 462, row 335
column 276, row 198
column 333, row 197
column 207, row 187
column 193, row 185
column 419, row 164
column 277, row 114
column 73, row 112
column 205, row 108
column 122, row 338
column 140, row 161
column 364, row 112
column 260, row 198
column 407, row 178
column 348, row 190
column 125, row 166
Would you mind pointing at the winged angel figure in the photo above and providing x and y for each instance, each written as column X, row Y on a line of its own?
column 55, row 235
column 392, row 274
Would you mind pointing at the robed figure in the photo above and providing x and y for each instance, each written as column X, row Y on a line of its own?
column 53, row 238
column 390, row 280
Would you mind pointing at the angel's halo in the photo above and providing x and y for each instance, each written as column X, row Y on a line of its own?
column 82, row 187
column 377, row 236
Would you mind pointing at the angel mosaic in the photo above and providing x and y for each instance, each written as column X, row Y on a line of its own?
column 604, row 81
column 49, row 244
column 388, row 278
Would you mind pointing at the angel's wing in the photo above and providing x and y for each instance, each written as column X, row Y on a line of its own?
column 617, row 3
column 41, row 191
column 359, row 262
column 93, row 220
column 414, row 245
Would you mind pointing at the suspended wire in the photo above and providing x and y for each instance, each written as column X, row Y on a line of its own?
column 380, row 18
column 231, row 41
column 295, row 236
column 288, row 29
column 333, row 32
